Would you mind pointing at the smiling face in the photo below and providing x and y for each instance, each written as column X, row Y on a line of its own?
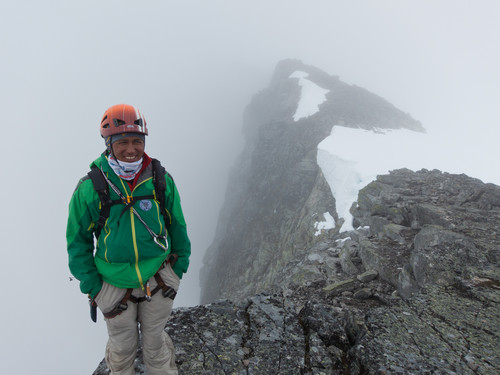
column 128, row 149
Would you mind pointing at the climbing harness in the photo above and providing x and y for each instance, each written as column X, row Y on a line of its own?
column 167, row 292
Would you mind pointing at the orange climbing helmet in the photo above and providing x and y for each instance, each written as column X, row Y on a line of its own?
column 122, row 118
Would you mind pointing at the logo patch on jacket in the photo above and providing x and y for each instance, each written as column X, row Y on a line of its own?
column 145, row 205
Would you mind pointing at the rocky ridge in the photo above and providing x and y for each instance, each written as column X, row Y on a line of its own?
column 276, row 191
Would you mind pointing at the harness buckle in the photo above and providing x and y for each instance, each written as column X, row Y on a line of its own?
column 121, row 307
column 169, row 292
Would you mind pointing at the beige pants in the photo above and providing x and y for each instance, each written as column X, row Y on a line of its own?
column 151, row 317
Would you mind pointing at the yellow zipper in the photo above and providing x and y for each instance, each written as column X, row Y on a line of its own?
column 134, row 239
column 106, row 240
column 135, row 250
column 139, row 184
column 159, row 214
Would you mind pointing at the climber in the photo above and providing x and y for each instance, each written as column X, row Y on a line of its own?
column 132, row 207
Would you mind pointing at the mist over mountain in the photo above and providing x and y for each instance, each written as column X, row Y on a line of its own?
column 277, row 191
column 326, row 262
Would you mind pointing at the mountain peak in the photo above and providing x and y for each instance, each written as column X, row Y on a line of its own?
column 277, row 192
column 343, row 104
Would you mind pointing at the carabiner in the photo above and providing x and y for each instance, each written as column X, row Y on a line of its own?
column 157, row 241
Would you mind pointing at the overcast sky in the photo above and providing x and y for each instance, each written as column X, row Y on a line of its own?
column 191, row 67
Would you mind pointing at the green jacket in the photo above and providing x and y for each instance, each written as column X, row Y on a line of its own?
column 126, row 255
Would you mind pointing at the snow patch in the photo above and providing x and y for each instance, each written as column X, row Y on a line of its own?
column 342, row 240
column 329, row 223
column 365, row 227
column 311, row 96
column 351, row 158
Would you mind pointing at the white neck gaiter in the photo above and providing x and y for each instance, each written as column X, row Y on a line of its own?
column 123, row 169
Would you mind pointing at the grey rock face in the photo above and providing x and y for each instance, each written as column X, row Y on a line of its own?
column 320, row 320
column 445, row 226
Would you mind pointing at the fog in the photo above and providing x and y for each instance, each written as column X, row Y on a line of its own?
column 192, row 67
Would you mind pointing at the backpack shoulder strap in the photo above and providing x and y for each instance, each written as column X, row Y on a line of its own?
column 102, row 189
column 160, row 188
